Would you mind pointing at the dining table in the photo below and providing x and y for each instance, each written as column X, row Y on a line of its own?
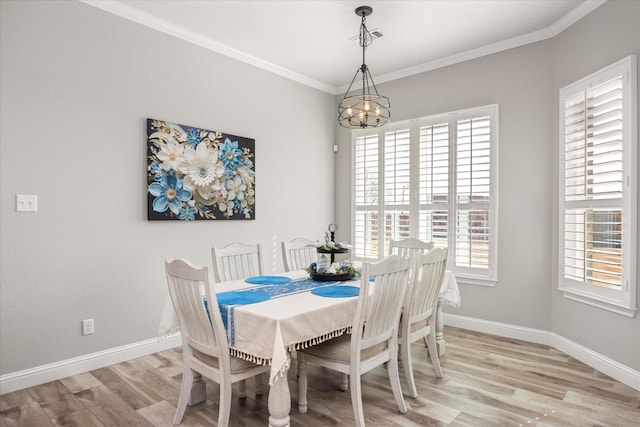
column 299, row 312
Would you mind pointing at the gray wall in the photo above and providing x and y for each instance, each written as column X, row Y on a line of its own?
column 525, row 83
column 77, row 85
column 605, row 36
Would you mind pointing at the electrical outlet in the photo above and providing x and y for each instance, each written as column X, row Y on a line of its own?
column 26, row 203
column 87, row 327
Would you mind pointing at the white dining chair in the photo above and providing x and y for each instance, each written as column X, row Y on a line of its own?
column 236, row 261
column 298, row 254
column 419, row 312
column 409, row 246
column 374, row 337
column 205, row 348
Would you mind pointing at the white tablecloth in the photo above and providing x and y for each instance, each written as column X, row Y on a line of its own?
column 449, row 290
column 169, row 321
column 264, row 332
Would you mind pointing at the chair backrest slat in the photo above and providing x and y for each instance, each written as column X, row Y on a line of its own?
column 409, row 246
column 427, row 275
column 201, row 327
column 236, row 261
column 298, row 253
column 381, row 300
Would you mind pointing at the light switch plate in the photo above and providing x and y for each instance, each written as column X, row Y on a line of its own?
column 26, row 203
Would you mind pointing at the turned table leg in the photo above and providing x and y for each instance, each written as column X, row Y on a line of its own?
column 440, row 344
column 279, row 402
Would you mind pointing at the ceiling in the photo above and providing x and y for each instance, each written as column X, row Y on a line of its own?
column 308, row 41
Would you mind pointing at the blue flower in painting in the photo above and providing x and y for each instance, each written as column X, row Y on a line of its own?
column 187, row 213
column 169, row 194
column 230, row 154
column 193, row 137
column 157, row 172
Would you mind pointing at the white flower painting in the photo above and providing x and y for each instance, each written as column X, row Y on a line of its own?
column 198, row 174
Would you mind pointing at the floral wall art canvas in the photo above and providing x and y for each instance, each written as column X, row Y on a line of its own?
column 198, row 174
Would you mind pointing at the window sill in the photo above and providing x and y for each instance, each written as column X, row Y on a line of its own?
column 586, row 298
column 475, row 280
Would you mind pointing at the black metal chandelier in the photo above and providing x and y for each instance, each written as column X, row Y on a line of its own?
column 367, row 108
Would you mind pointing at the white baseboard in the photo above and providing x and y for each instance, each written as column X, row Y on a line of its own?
column 65, row 368
column 55, row 371
column 607, row 366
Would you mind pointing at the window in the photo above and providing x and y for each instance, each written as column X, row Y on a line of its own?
column 434, row 179
column 598, row 188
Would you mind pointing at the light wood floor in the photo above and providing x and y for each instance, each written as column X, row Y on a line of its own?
column 489, row 381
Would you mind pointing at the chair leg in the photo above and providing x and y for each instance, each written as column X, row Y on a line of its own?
column 433, row 354
column 394, row 379
column 344, row 382
column 225, row 404
column 356, row 398
column 258, row 383
column 185, row 392
column 242, row 389
column 302, row 384
column 407, row 362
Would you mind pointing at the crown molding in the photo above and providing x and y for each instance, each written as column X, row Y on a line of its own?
column 551, row 31
column 127, row 12
column 124, row 11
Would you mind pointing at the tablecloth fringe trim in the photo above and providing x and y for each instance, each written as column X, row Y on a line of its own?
column 320, row 339
column 281, row 371
column 298, row 346
column 250, row 358
column 452, row 298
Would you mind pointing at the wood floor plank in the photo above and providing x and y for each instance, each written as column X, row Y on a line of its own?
column 110, row 408
column 80, row 382
column 17, row 398
column 27, row 415
column 128, row 392
column 488, row 381
column 159, row 414
column 63, row 408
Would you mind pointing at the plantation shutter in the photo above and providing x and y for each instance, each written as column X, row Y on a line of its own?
column 397, row 190
column 473, row 192
column 429, row 179
column 593, row 184
column 434, row 184
column 366, row 195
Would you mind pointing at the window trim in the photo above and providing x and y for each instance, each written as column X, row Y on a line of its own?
column 622, row 300
column 463, row 274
